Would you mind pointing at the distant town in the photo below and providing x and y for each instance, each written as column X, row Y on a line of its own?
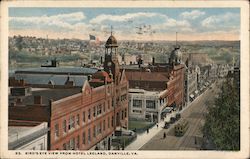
column 71, row 94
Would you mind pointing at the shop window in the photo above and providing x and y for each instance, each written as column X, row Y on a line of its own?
column 84, row 138
column 89, row 136
column 137, row 103
column 78, row 142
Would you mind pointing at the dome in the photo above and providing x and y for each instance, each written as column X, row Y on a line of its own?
column 111, row 42
column 101, row 75
column 176, row 55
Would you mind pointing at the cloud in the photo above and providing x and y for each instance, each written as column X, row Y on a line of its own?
column 61, row 21
column 125, row 18
column 226, row 20
column 158, row 22
column 175, row 23
column 192, row 15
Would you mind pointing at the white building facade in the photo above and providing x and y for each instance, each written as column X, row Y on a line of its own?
column 146, row 105
column 28, row 137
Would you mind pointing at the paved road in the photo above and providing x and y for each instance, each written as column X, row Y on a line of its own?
column 194, row 114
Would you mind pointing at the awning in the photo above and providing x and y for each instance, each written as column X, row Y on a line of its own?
column 191, row 95
column 167, row 110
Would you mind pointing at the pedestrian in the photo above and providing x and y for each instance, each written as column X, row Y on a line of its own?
column 147, row 130
column 195, row 141
column 157, row 125
column 164, row 135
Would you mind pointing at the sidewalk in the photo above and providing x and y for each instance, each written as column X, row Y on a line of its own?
column 145, row 137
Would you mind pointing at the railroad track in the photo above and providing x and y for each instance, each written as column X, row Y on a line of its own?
column 188, row 136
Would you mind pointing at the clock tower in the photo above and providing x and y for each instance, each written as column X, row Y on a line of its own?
column 111, row 64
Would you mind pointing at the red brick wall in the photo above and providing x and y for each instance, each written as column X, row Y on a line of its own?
column 82, row 102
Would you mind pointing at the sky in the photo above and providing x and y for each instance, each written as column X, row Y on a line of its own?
column 127, row 23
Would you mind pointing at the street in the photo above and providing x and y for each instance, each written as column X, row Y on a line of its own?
column 194, row 114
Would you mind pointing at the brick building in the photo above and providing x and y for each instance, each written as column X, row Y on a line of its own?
column 81, row 118
column 164, row 80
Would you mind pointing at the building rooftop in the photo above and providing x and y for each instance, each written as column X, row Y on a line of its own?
column 161, row 94
column 21, row 135
column 58, row 70
column 47, row 95
column 147, row 76
column 44, row 79
column 111, row 42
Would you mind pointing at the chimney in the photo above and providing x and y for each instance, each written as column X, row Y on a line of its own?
column 53, row 63
column 12, row 104
column 22, row 83
column 19, row 101
column 89, row 77
column 153, row 61
column 37, row 99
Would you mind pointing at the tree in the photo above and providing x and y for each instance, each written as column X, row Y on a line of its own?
column 19, row 42
column 222, row 126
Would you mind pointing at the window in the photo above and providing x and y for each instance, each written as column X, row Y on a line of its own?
column 56, row 131
column 104, row 124
column 137, row 103
column 99, row 109
column 64, row 146
column 112, row 122
column 136, row 111
column 113, row 102
column 84, row 138
column 64, row 126
column 94, row 111
column 72, row 144
column 108, row 122
column 99, row 128
column 33, row 148
column 89, row 135
column 68, row 145
column 104, row 107
column 94, row 131
column 150, row 104
column 89, row 114
column 123, row 97
column 71, row 122
column 109, row 104
column 83, row 117
column 78, row 142
column 125, row 113
column 41, row 146
column 77, row 119
column 122, row 115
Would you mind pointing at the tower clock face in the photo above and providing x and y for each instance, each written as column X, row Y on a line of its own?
column 109, row 64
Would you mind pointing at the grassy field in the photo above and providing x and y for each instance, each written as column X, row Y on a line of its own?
column 138, row 124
